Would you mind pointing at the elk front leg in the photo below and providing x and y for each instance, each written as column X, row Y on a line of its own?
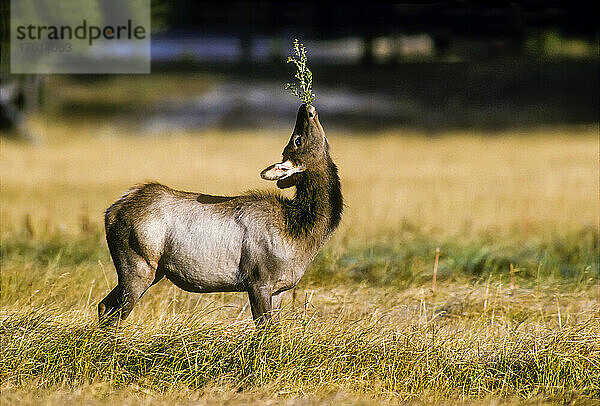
column 260, row 303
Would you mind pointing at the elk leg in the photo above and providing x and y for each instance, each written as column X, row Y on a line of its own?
column 109, row 306
column 135, row 277
column 260, row 303
column 136, row 285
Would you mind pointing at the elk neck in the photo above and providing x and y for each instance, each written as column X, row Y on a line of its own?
column 316, row 209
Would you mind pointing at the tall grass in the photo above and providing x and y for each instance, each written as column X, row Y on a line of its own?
column 363, row 322
column 471, row 360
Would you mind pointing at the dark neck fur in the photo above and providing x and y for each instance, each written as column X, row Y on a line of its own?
column 316, row 209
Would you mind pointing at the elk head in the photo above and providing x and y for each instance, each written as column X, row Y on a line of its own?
column 306, row 152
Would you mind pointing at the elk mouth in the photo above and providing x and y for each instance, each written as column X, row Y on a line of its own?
column 287, row 182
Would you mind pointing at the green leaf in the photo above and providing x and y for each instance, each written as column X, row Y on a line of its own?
column 302, row 89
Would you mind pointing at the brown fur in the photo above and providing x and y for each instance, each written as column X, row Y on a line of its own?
column 155, row 231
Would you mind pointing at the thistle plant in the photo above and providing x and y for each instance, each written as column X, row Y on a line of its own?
column 303, row 88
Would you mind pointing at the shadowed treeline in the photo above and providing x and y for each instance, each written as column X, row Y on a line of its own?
column 491, row 95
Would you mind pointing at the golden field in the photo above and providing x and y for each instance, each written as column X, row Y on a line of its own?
column 456, row 182
column 364, row 325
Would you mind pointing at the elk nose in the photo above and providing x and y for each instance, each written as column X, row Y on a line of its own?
column 312, row 112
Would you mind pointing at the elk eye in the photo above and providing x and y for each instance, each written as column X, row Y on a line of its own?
column 298, row 142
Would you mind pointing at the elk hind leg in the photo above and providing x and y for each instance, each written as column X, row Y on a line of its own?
column 135, row 277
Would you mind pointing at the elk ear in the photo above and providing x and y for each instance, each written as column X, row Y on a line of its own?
column 280, row 171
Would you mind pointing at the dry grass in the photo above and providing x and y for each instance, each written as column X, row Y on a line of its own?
column 455, row 183
column 363, row 324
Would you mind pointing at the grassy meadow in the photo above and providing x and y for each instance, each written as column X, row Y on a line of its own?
column 366, row 324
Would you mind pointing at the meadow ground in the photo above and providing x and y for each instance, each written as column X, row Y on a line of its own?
column 364, row 325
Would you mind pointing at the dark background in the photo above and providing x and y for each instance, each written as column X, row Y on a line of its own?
column 430, row 66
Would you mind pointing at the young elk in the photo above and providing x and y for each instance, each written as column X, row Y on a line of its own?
column 260, row 243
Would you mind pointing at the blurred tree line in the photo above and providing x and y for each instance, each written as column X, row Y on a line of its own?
column 519, row 29
column 503, row 27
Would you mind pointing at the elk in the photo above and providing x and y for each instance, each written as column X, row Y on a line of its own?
column 260, row 243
